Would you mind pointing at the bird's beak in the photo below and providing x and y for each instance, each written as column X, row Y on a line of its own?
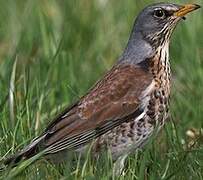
column 185, row 9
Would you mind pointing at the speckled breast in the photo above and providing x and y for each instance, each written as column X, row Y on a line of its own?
column 159, row 98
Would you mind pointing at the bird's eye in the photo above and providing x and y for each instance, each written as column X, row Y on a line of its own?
column 159, row 13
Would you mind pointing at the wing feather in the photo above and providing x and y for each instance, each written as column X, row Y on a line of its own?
column 112, row 101
column 82, row 139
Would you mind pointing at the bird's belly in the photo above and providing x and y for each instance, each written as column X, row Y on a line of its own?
column 127, row 137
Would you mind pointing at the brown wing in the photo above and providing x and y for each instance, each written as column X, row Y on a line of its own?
column 110, row 102
column 113, row 100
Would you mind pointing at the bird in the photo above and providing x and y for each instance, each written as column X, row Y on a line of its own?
column 128, row 104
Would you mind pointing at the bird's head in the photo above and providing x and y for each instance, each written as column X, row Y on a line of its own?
column 152, row 30
column 157, row 22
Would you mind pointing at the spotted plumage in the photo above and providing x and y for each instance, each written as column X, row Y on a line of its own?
column 154, row 102
column 122, row 110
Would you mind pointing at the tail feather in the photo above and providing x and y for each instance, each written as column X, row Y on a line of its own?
column 29, row 151
column 18, row 157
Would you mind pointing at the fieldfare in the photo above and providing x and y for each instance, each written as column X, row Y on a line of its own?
column 123, row 109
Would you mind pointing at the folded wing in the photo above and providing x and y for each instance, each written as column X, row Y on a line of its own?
column 113, row 100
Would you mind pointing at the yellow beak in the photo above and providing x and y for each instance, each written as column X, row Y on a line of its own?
column 185, row 9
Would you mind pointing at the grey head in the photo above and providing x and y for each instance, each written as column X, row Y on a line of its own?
column 152, row 28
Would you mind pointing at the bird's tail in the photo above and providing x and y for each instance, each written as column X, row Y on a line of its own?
column 28, row 152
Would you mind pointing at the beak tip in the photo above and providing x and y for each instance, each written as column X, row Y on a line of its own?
column 197, row 6
column 187, row 8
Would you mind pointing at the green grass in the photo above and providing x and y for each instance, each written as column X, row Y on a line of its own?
column 51, row 52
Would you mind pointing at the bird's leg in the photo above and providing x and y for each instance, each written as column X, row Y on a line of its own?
column 118, row 166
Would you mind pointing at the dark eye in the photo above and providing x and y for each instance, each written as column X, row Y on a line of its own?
column 159, row 13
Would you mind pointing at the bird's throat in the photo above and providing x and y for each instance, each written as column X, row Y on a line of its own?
column 160, row 65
